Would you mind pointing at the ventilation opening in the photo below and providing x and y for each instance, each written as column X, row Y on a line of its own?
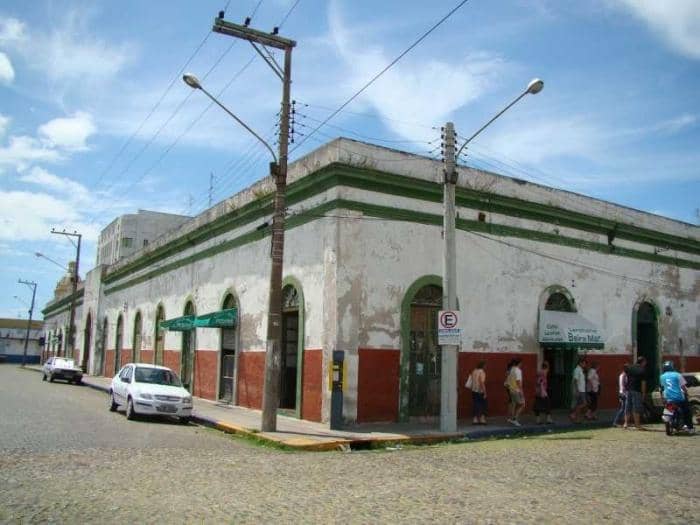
column 482, row 216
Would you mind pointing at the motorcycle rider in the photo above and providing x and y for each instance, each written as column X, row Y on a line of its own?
column 674, row 390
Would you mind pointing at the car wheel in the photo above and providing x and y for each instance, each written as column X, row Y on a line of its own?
column 112, row 403
column 130, row 413
column 695, row 411
column 50, row 378
column 78, row 381
column 184, row 420
column 44, row 377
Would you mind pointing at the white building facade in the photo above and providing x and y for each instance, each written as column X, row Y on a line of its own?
column 362, row 266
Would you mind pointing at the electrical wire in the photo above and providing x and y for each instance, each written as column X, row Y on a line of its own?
column 378, row 75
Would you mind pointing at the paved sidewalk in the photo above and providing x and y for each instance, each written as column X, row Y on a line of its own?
column 308, row 435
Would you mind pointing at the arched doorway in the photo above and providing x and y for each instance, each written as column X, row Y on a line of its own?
column 229, row 344
column 118, row 343
column 159, row 336
column 189, row 341
column 100, row 350
column 137, row 337
column 561, row 359
column 87, row 341
column 648, row 341
column 424, row 354
column 290, row 347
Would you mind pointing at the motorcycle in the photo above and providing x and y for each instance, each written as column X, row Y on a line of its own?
column 672, row 417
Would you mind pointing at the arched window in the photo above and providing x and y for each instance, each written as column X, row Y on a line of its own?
column 159, row 336
column 137, row 337
column 558, row 302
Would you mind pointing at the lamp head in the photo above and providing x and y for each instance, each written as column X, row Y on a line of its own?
column 191, row 81
column 535, row 86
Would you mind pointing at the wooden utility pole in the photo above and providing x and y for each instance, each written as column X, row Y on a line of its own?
column 32, row 285
column 70, row 344
column 278, row 170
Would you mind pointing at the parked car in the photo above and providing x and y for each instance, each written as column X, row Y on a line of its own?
column 144, row 389
column 692, row 383
column 62, row 368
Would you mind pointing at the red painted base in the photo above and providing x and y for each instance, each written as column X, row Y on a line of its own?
column 312, row 385
column 251, row 374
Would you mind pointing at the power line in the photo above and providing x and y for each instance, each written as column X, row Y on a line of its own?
column 389, row 66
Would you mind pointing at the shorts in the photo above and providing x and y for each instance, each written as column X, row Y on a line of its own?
column 633, row 403
column 579, row 399
column 516, row 398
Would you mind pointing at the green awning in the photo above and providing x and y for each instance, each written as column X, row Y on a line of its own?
column 568, row 330
column 179, row 324
column 221, row 319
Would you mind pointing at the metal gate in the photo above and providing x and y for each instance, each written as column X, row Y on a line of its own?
column 228, row 367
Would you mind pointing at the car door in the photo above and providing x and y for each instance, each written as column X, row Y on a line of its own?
column 120, row 385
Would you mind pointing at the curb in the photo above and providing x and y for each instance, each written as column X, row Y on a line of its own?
column 362, row 443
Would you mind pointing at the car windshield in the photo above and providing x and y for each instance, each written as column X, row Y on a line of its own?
column 63, row 363
column 156, row 376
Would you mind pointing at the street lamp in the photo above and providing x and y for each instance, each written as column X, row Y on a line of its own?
column 39, row 254
column 448, row 381
column 278, row 171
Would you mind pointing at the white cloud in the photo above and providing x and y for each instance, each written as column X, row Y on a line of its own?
column 677, row 22
column 7, row 72
column 23, row 150
column 47, row 180
column 410, row 86
column 11, row 30
column 30, row 215
column 69, row 133
column 4, row 123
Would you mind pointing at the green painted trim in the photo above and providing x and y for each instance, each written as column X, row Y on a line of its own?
column 65, row 301
column 406, row 337
column 408, row 216
column 293, row 281
column 388, row 183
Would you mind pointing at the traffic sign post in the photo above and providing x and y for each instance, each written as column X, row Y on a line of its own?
column 449, row 330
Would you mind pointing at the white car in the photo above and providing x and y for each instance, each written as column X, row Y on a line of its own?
column 144, row 389
column 62, row 368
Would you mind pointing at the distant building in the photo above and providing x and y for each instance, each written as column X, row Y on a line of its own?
column 129, row 233
column 12, row 335
column 542, row 274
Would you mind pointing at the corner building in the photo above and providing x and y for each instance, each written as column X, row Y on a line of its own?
column 541, row 274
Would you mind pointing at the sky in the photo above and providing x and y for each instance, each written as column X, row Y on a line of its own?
column 95, row 121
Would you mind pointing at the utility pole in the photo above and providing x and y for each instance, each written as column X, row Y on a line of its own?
column 448, row 371
column 278, row 170
column 70, row 344
column 32, row 285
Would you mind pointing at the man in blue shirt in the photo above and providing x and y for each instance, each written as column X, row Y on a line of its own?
column 674, row 390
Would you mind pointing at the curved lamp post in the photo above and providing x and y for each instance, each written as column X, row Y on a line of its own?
column 448, row 380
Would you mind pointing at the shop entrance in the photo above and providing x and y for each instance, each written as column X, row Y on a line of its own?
column 87, row 342
column 290, row 347
column 189, row 338
column 648, row 342
column 229, row 338
column 424, row 355
column 562, row 362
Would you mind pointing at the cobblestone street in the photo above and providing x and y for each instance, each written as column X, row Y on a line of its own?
column 66, row 459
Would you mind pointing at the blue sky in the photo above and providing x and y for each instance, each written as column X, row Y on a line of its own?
column 94, row 121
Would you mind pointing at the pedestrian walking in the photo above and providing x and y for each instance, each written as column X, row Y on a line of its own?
column 592, row 391
column 621, row 417
column 578, row 404
column 514, row 385
column 636, row 390
column 542, row 404
column 477, row 380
